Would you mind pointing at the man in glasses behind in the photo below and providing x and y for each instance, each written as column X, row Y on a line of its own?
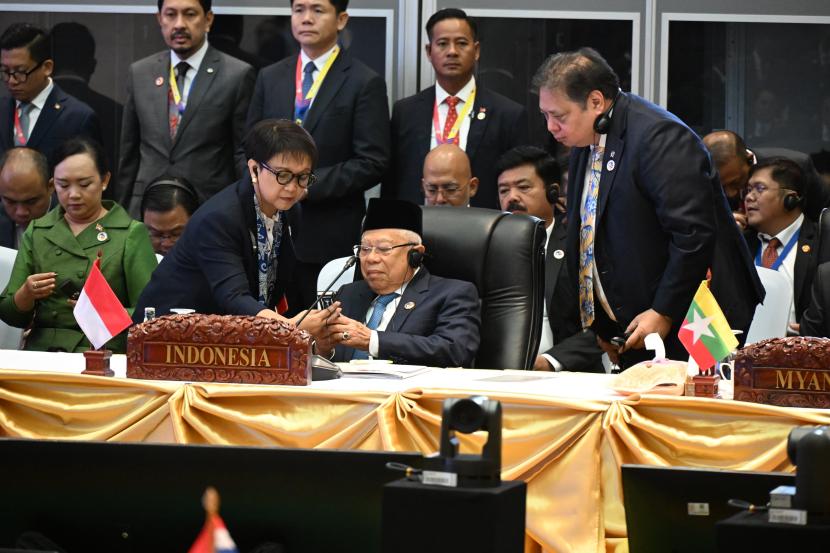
column 399, row 311
column 448, row 179
column 39, row 114
column 236, row 254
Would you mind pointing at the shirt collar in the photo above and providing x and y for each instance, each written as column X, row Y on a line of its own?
column 194, row 61
column 40, row 100
column 401, row 290
column 602, row 139
column 320, row 61
column 785, row 235
column 463, row 94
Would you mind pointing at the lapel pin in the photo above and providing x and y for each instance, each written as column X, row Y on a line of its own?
column 610, row 165
column 159, row 81
column 57, row 106
column 558, row 254
column 805, row 248
column 210, row 69
column 102, row 236
column 409, row 305
column 613, row 152
column 98, row 227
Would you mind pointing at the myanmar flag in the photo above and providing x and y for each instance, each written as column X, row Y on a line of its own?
column 705, row 333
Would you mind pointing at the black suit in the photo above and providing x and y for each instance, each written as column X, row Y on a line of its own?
column 349, row 121
column 574, row 349
column 213, row 266
column 655, row 224
column 436, row 322
column 503, row 126
column 816, row 319
column 805, row 262
column 8, row 231
column 61, row 118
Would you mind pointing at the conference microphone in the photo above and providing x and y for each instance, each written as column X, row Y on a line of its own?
column 346, row 266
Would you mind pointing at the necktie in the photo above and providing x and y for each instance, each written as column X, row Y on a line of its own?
column 586, row 241
column 452, row 117
column 175, row 115
column 308, row 78
column 374, row 319
column 770, row 255
column 23, row 109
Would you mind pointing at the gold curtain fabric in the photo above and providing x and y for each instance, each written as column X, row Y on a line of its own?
column 567, row 450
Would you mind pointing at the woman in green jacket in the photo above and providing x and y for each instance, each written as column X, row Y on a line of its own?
column 57, row 251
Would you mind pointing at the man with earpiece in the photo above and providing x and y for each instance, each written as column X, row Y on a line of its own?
column 528, row 183
column 641, row 205
column 399, row 311
column 779, row 235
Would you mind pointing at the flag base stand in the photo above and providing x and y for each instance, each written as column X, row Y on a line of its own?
column 706, row 385
column 98, row 362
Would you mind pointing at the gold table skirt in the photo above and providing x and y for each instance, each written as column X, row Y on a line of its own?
column 569, row 451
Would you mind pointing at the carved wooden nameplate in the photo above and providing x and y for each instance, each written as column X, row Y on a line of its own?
column 219, row 348
column 788, row 372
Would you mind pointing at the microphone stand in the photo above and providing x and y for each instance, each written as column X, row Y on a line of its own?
column 348, row 265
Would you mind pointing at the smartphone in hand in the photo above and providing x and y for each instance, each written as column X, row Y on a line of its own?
column 70, row 289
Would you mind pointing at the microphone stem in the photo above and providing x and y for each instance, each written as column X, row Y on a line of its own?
column 349, row 263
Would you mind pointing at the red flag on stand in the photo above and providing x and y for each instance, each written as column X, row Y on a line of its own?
column 99, row 312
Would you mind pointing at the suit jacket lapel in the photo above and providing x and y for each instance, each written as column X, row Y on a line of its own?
column 328, row 90
column 553, row 265
column 613, row 152
column 210, row 67
column 7, row 125
column 411, row 296
column 478, row 126
column 804, row 261
column 158, row 96
column 421, row 124
column 52, row 110
column 60, row 235
column 285, row 90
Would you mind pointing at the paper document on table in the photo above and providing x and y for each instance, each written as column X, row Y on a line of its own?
column 381, row 369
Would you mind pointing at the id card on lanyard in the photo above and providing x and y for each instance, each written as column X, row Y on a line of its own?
column 790, row 245
column 178, row 99
column 301, row 105
column 452, row 136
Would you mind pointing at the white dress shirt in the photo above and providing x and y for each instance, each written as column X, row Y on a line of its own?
column 787, row 267
column 319, row 63
column 547, row 334
column 463, row 96
column 36, row 108
column 195, row 61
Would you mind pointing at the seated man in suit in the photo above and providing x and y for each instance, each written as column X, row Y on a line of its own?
column 39, row 114
column 26, row 191
column 529, row 183
column 400, row 311
column 779, row 235
column 816, row 319
column 448, row 179
column 236, row 254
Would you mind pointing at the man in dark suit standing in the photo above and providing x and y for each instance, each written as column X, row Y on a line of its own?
column 640, row 205
column 185, row 110
column 39, row 115
column 528, row 180
column 399, row 311
column 779, row 235
column 343, row 104
column 457, row 109
column 26, row 191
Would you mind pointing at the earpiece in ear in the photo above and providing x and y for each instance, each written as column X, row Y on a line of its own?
column 602, row 124
column 791, row 201
column 414, row 258
column 552, row 193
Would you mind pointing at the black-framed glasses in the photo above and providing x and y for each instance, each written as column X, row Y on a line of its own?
column 19, row 76
column 361, row 250
column 448, row 190
column 284, row 176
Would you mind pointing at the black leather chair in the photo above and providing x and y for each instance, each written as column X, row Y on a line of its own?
column 823, row 246
column 503, row 255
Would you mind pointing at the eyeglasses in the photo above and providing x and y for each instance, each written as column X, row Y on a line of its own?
column 284, row 177
column 172, row 235
column 383, row 251
column 19, row 76
column 759, row 189
column 448, row 190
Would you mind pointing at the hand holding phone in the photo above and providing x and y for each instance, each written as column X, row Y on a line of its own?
column 68, row 288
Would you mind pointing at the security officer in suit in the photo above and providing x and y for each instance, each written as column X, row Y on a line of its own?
column 185, row 109
column 456, row 110
column 343, row 104
column 528, row 179
column 400, row 311
column 39, row 114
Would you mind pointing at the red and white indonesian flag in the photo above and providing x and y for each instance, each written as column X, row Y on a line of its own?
column 99, row 312
column 214, row 538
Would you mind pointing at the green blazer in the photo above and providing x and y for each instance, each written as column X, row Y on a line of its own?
column 49, row 245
